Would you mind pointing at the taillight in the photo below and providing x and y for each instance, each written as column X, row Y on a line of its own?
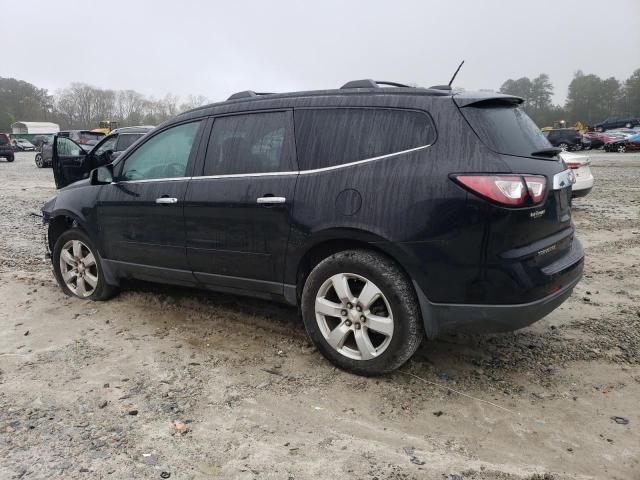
column 536, row 185
column 512, row 190
column 573, row 165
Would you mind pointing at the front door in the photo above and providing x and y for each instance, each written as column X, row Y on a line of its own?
column 238, row 207
column 68, row 161
column 140, row 214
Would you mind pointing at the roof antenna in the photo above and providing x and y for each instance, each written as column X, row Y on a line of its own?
column 455, row 74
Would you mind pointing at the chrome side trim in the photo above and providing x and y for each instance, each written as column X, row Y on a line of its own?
column 270, row 174
column 360, row 162
column 172, row 179
column 241, row 175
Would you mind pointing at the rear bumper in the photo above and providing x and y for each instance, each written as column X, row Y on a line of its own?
column 440, row 318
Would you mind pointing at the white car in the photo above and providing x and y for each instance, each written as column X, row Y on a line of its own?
column 580, row 166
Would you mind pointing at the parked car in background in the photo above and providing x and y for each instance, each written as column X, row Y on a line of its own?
column 294, row 197
column 566, row 139
column 580, row 165
column 616, row 122
column 623, row 145
column 82, row 137
column 40, row 140
column 597, row 139
column 6, row 148
column 22, row 145
column 102, row 153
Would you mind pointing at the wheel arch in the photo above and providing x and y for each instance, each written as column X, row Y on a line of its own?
column 61, row 221
column 326, row 245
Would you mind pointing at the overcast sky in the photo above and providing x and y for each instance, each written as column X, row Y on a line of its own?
column 215, row 48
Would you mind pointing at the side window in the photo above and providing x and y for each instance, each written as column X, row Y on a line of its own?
column 250, row 143
column 108, row 144
column 163, row 156
column 68, row 148
column 125, row 140
column 329, row 137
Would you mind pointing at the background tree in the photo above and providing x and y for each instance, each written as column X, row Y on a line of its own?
column 630, row 95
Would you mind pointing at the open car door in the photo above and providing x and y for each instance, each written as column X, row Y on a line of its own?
column 69, row 162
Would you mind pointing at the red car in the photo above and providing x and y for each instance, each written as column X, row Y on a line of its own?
column 597, row 139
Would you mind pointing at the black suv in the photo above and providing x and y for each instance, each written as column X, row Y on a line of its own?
column 6, row 148
column 384, row 213
column 102, row 153
column 617, row 122
column 566, row 139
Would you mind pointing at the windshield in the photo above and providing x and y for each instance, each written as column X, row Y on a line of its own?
column 505, row 128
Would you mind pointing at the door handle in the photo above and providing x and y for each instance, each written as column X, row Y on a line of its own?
column 268, row 200
column 166, row 200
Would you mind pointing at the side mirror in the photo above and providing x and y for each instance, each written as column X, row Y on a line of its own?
column 102, row 175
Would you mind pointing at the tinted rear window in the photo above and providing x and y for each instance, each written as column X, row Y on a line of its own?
column 4, row 140
column 329, row 137
column 505, row 128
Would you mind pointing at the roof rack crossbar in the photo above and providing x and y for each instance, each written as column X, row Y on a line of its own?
column 368, row 83
column 247, row 94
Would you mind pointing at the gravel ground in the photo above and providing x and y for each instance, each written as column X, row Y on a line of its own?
column 163, row 382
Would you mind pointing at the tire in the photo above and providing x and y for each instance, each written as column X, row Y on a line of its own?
column 564, row 147
column 600, row 129
column 78, row 245
column 39, row 161
column 628, row 125
column 621, row 149
column 348, row 341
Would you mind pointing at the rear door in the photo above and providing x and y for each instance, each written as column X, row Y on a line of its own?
column 69, row 162
column 238, row 206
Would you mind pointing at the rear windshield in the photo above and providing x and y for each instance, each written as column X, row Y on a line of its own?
column 505, row 128
column 3, row 139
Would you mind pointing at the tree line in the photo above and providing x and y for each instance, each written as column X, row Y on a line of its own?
column 84, row 106
column 590, row 99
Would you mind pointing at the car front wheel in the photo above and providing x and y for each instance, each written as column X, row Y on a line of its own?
column 628, row 125
column 564, row 147
column 622, row 149
column 78, row 267
column 39, row 161
column 361, row 312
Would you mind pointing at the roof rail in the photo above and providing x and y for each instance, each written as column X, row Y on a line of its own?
column 247, row 94
column 368, row 83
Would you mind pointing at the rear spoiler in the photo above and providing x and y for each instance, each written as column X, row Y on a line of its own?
column 488, row 100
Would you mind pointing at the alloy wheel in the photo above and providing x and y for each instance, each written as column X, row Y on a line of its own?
column 39, row 162
column 354, row 316
column 564, row 147
column 79, row 268
column 622, row 149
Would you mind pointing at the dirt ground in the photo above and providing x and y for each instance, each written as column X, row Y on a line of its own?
column 92, row 390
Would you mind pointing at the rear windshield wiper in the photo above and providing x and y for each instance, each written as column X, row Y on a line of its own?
column 547, row 152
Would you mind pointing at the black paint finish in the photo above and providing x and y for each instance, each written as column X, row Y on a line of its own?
column 459, row 250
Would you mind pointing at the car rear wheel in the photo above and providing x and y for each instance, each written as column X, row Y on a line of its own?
column 600, row 129
column 11, row 159
column 39, row 161
column 628, row 125
column 564, row 147
column 361, row 312
column 78, row 267
column 622, row 148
